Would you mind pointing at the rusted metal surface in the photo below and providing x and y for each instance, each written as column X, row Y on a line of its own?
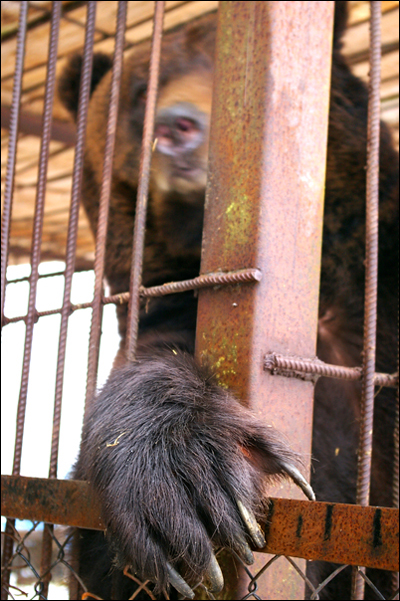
column 371, row 274
column 264, row 209
column 341, row 533
column 143, row 183
column 329, row 531
column 299, row 367
column 101, row 234
column 12, row 148
column 65, row 502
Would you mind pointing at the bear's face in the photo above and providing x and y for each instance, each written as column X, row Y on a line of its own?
column 180, row 151
column 182, row 134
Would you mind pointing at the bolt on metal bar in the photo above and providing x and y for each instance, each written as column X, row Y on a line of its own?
column 12, row 148
column 36, row 241
column 5, row 230
column 371, row 274
column 143, row 186
column 101, row 234
column 314, row 367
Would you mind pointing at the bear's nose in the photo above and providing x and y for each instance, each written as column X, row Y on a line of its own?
column 179, row 128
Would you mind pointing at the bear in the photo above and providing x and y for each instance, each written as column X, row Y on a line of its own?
column 180, row 467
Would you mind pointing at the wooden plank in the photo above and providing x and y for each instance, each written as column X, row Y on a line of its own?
column 390, row 67
column 359, row 11
column 71, row 39
column 356, row 39
column 138, row 12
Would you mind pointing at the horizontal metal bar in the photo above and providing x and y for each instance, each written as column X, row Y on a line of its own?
column 346, row 534
column 310, row 369
column 239, row 276
column 64, row 502
column 40, row 277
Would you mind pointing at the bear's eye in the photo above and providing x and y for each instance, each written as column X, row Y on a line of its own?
column 140, row 93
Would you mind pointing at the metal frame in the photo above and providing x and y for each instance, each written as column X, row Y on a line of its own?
column 253, row 196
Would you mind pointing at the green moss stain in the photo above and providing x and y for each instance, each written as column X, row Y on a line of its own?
column 238, row 225
column 222, row 358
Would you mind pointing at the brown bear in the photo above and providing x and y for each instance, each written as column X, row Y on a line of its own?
column 183, row 476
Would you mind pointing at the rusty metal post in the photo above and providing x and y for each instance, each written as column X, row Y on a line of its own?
column 264, row 208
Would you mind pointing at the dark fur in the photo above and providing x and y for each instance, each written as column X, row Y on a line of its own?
column 163, row 445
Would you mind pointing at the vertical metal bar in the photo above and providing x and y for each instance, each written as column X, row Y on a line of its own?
column 84, row 95
column 371, row 274
column 5, row 230
column 143, row 186
column 12, row 148
column 264, row 207
column 101, row 235
column 38, row 226
column 37, row 233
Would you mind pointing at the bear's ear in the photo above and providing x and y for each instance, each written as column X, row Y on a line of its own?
column 69, row 81
column 341, row 14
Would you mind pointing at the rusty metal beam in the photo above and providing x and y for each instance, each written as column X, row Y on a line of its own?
column 264, row 208
column 348, row 534
column 65, row 502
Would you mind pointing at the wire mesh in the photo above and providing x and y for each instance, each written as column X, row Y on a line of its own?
column 28, row 579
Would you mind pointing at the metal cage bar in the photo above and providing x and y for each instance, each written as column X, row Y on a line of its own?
column 371, row 274
column 77, row 175
column 5, row 227
column 12, row 147
column 251, row 191
column 35, row 260
column 143, row 184
column 101, row 234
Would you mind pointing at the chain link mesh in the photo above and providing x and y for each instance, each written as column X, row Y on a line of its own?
column 27, row 580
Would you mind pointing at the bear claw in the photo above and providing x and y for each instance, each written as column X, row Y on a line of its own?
column 299, row 479
column 251, row 524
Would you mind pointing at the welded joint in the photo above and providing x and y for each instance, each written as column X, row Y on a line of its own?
column 310, row 369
